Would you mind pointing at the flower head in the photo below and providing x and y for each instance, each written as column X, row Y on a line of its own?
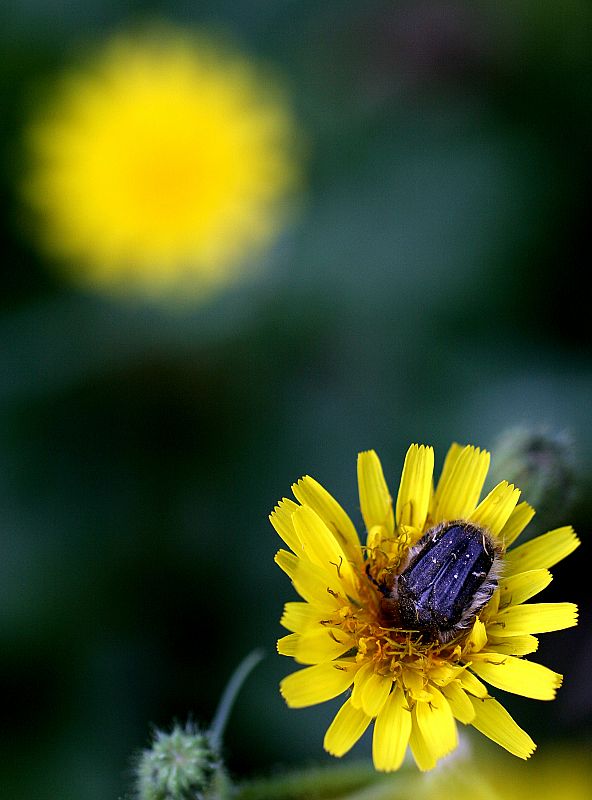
column 161, row 166
column 180, row 765
column 420, row 617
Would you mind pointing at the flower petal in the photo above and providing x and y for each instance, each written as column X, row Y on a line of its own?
column 477, row 638
column 316, row 684
column 493, row 721
column 521, row 587
column 310, row 493
column 311, row 582
column 375, row 692
column 494, row 511
column 286, row 646
column 375, row 500
column 517, row 675
column 281, row 519
column 542, row 552
column 415, row 490
column 422, row 754
column 345, row 730
column 436, row 724
column 472, row 685
column 459, row 702
column 415, row 684
column 452, row 455
column 517, row 522
column 513, row 645
column 458, row 494
column 321, row 547
column 391, row 733
column 321, row 644
column 443, row 674
column 534, row 618
column 297, row 617
column 362, row 676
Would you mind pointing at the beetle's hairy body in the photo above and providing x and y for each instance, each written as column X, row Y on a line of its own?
column 450, row 575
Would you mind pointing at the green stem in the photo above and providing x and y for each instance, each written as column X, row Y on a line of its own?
column 232, row 689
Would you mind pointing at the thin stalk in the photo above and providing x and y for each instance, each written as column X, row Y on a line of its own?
column 233, row 687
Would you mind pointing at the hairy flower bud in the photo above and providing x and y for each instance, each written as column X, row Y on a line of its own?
column 180, row 765
column 541, row 463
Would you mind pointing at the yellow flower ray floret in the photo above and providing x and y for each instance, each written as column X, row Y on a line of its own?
column 413, row 499
column 375, row 499
column 391, row 732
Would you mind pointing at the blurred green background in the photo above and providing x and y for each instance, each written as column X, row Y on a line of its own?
column 431, row 289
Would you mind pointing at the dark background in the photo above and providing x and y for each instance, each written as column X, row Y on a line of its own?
column 432, row 289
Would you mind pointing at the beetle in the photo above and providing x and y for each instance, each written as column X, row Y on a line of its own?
column 450, row 575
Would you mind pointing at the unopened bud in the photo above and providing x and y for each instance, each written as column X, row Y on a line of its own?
column 180, row 765
column 542, row 465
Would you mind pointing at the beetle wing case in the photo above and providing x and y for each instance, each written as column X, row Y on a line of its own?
column 451, row 574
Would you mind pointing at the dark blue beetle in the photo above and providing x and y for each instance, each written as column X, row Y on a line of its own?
column 452, row 572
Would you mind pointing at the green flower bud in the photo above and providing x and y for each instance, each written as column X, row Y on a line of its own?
column 542, row 465
column 180, row 765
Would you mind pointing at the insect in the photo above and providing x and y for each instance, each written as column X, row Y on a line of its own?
column 450, row 575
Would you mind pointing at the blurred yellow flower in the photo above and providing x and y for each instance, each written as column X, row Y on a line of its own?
column 560, row 773
column 164, row 166
column 431, row 608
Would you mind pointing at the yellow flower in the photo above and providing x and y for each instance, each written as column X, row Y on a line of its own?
column 161, row 166
column 433, row 604
column 560, row 773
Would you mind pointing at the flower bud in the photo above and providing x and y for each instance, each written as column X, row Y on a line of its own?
column 180, row 765
column 542, row 465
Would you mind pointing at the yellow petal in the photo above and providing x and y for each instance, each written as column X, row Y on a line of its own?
column 514, row 645
column 491, row 608
column 311, row 582
column 345, row 730
column 321, row 547
column 321, row 644
column 281, row 519
column 318, row 683
column 415, row 684
column 436, row 724
column 444, row 674
column 421, row 754
column 472, row 685
column 360, row 681
column 493, row 721
column 375, row 692
column 517, row 522
column 391, row 733
column 534, row 618
column 521, row 587
column 458, row 495
column 494, row 511
column 452, row 455
column 459, row 702
column 542, row 552
column 415, row 489
column 477, row 639
column 375, row 500
column 286, row 646
column 310, row 493
column 517, row 675
column 297, row 617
